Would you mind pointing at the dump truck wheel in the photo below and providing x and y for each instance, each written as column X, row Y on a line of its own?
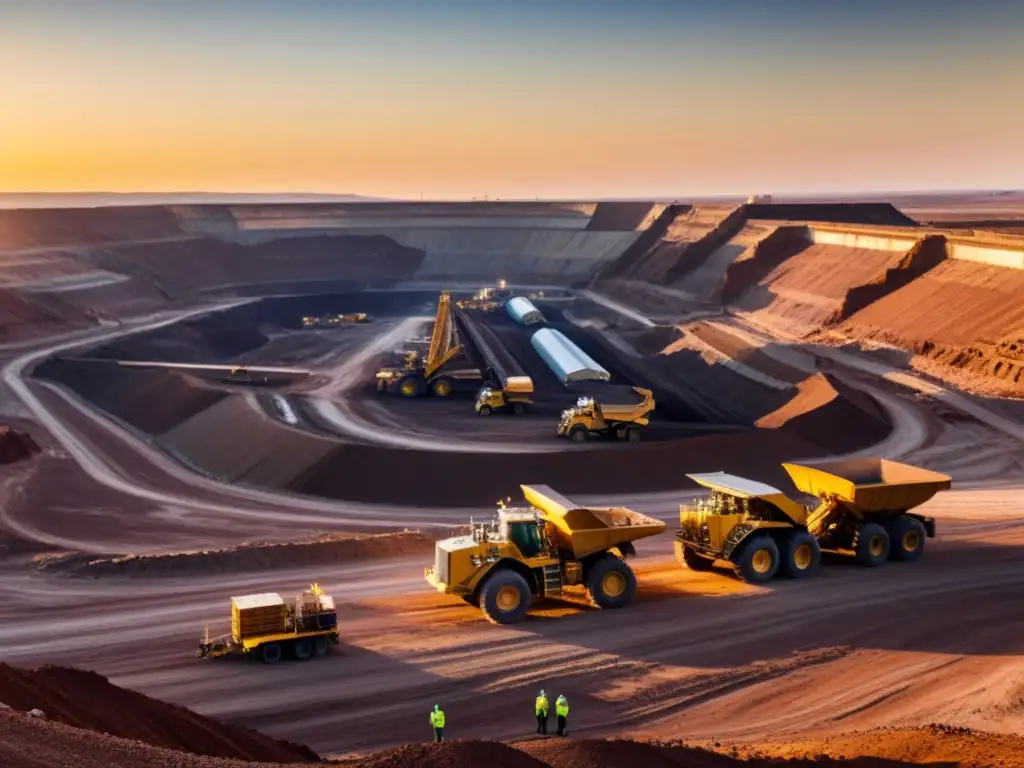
column 505, row 597
column 485, row 410
column 759, row 560
column 518, row 409
column 633, row 434
column 321, row 646
column 578, row 434
column 442, row 387
column 611, row 583
column 800, row 555
column 409, row 387
column 691, row 559
column 906, row 539
column 872, row 545
column 270, row 653
column 303, row 649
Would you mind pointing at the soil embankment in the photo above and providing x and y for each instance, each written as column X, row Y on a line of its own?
column 86, row 700
column 825, row 411
column 326, row 549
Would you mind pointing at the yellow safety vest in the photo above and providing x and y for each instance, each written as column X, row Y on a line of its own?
column 437, row 719
column 562, row 707
column 542, row 705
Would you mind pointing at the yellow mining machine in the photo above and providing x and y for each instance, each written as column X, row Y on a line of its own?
column 590, row 417
column 514, row 395
column 432, row 374
column 536, row 550
column 863, row 509
column 267, row 627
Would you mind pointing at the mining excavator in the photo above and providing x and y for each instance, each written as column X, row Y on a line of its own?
column 592, row 418
column 863, row 509
column 536, row 550
column 432, row 374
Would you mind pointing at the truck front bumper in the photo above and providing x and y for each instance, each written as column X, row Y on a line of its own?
column 440, row 586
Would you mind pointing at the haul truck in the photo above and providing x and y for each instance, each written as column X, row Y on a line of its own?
column 430, row 375
column 535, row 551
column 267, row 627
column 515, row 395
column 863, row 508
column 590, row 417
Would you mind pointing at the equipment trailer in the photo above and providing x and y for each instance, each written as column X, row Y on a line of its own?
column 265, row 626
column 536, row 550
column 863, row 509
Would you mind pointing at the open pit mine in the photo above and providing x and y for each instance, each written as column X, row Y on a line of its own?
column 748, row 477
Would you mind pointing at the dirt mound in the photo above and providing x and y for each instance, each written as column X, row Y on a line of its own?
column 87, row 700
column 934, row 745
column 596, row 753
column 925, row 255
column 20, row 317
column 326, row 549
column 637, row 252
column 830, row 414
column 451, row 754
column 16, row 446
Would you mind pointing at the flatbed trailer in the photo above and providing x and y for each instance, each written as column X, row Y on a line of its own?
column 266, row 627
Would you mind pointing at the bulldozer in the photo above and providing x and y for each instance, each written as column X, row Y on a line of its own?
column 592, row 418
column 536, row 550
column 419, row 375
column 863, row 509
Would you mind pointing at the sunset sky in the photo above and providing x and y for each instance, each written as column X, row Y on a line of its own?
column 522, row 98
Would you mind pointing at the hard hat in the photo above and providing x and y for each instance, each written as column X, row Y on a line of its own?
column 541, row 691
column 436, row 708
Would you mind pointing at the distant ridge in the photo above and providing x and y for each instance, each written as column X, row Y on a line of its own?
column 101, row 199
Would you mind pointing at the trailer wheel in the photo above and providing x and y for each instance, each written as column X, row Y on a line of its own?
column 610, row 582
column 906, row 539
column 302, row 649
column 321, row 645
column 441, row 387
column 633, row 434
column 759, row 560
column 485, row 410
column 505, row 597
column 579, row 434
column 872, row 545
column 270, row 653
column 691, row 559
column 801, row 554
column 518, row 409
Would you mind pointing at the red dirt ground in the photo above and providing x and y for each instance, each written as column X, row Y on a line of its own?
column 86, row 700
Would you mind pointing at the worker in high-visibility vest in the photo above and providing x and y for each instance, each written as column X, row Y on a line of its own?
column 562, row 712
column 437, row 723
column 541, row 706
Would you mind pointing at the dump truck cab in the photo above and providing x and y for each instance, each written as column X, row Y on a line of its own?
column 535, row 550
column 515, row 396
column 862, row 509
column 590, row 417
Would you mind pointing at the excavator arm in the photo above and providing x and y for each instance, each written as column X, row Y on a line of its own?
column 444, row 340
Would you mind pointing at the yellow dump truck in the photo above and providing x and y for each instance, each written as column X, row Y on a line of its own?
column 589, row 417
column 267, row 627
column 536, row 550
column 515, row 396
column 863, row 509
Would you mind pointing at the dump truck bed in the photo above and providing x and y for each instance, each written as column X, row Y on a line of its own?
column 872, row 485
column 586, row 531
column 630, row 411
